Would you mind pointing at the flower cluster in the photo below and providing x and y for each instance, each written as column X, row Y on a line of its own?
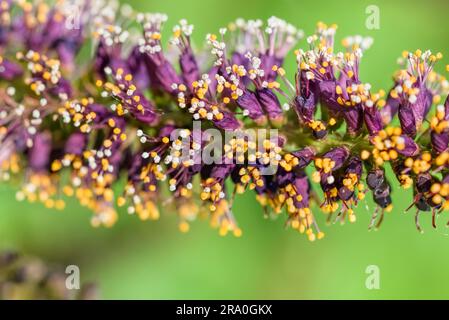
column 117, row 129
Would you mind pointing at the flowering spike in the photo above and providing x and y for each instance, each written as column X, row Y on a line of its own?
column 241, row 123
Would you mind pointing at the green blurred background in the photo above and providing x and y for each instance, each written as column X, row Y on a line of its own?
column 152, row 260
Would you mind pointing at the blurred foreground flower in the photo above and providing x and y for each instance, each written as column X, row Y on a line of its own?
column 77, row 126
column 25, row 277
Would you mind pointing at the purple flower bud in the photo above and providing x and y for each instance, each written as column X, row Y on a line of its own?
column 382, row 195
column 221, row 171
column 423, row 182
column 39, row 157
column 138, row 68
column 248, row 102
column 344, row 193
column 411, row 115
column 305, row 156
column 239, row 59
column 352, row 114
column 407, row 120
column 298, row 179
column 270, row 103
column 162, row 75
column 439, row 134
column 422, row 105
column 328, row 94
column 148, row 116
column 390, row 109
column 67, row 53
column 228, row 122
column 63, row 87
column 373, row 119
column 76, row 144
column 354, row 167
column 9, row 70
column 102, row 113
column 135, row 167
column 189, row 67
column 354, row 119
column 213, row 174
column 375, row 178
column 139, row 106
column 426, row 98
column 166, row 130
column 107, row 57
column 338, row 155
column 406, row 146
column 302, row 187
column 284, row 178
column 306, row 106
column 440, row 141
column 267, row 63
column 327, row 181
column 213, row 82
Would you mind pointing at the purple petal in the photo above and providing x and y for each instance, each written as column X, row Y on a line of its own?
column 306, row 106
column 339, row 155
column 354, row 119
column 389, row 110
column 407, row 120
column 162, row 75
column 305, row 156
column 39, row 157
column 373, row 120
column 267, row 63
column 9, row 70
column 410, row 147
column 439, row 141
column 302, row 187
column 221, row 171
column 270, row 103
column 76, row 143
column 137, row 67
column 189, row 68
column 108, row 57
column 229, row 121
column 63, row 87
column 422, row 105
column 248, row 102
column 328, row 95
